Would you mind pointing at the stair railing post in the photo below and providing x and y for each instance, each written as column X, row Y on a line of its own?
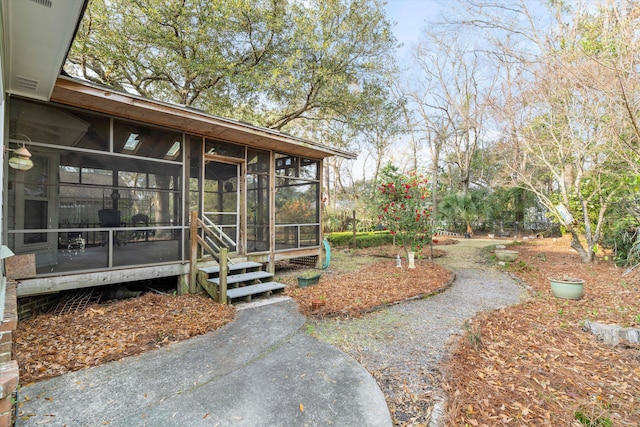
column 193, row 257
column 224, row 270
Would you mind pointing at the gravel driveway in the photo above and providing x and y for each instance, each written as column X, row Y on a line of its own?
column 403, row 345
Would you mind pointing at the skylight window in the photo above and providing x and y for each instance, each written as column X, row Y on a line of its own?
column 173, row 151
column 132, row 143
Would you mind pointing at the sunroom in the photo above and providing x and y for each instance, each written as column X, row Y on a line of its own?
column 115, row 178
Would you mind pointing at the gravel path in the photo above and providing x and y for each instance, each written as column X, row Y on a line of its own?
column 403, row 345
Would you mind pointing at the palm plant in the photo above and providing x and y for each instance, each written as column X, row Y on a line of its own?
column 464, row 207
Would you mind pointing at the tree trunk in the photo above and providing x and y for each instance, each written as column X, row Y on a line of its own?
column 327, row 182
column 434, row 183
column 586, row 255
column 519, row 200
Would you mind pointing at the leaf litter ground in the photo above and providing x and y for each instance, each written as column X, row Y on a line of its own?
column 529, row 364
column 533, row 365
column 51, row 345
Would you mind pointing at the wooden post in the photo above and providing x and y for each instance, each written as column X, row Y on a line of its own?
column 355, row 246
column 193, row 257
column 183, row 284
column 224, row 270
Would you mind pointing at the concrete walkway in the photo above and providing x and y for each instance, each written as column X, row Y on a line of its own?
column 404, row 344
column 260, row 370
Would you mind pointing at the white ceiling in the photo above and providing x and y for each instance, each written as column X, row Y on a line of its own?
column 37, row 35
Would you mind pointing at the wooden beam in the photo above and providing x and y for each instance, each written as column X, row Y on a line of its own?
column 193, row 251
column 49, row 285
column 296, row 253
column 183, row 284
column 211, row 288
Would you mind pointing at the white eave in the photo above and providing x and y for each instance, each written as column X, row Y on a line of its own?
column 37, row 35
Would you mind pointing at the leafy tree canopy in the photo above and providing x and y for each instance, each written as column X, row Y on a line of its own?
column 270, row 62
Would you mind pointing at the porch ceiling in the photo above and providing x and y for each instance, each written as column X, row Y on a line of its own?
column 84, row 95
column 36, row 37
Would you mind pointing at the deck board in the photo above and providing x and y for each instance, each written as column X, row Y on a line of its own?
column 254, row 289
column 244, row 277
column 232, row 267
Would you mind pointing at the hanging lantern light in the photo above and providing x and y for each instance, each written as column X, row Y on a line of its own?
column 21, row 159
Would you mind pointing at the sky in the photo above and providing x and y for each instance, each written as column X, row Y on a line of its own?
column 408, row 18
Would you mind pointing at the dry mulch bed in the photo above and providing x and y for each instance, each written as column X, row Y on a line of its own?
column 532, row 364
column 51, row 345
column 529, row 364
column 378, row 284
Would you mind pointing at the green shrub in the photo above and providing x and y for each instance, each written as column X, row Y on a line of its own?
column 363, row 240
column 624, row 239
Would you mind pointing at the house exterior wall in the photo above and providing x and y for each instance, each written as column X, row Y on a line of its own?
column 9, row 375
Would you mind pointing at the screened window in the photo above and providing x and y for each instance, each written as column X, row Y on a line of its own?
column 257, row 200
column 49, row 124
column 297, row 202
column 297, row 167
column 195, row 162
column 224, row 149
column 82, row 207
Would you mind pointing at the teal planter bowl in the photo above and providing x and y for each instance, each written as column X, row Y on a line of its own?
column 304, row 281
column 567, row 289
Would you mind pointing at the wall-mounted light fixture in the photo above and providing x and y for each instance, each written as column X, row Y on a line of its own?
column 21, row 159
column 5, row 252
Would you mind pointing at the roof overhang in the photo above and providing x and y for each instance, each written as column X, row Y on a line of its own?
column 37, row 35
column 81, row 94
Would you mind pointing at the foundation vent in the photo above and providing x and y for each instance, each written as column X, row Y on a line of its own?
column 45, row 3
column 26, row 83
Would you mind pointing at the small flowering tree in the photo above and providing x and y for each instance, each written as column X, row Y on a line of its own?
column 403, row 208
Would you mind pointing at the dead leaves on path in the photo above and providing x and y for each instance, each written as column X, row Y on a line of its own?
column 49, row 345
column 378, row 284
column 527, row 373
column 535, row 366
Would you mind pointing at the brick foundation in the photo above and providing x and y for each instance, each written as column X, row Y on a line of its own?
column 8, row 368
column 29, row 307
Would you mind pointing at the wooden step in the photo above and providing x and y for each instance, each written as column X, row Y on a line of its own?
column 243, row 277
column 248, row 291
column 232, row 267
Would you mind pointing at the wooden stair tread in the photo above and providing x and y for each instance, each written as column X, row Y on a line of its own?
column 232, row 267
column 254, row 289
column 243, row 277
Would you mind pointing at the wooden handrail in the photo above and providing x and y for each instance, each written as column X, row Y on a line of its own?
column 215, row 243
column 215, row 231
